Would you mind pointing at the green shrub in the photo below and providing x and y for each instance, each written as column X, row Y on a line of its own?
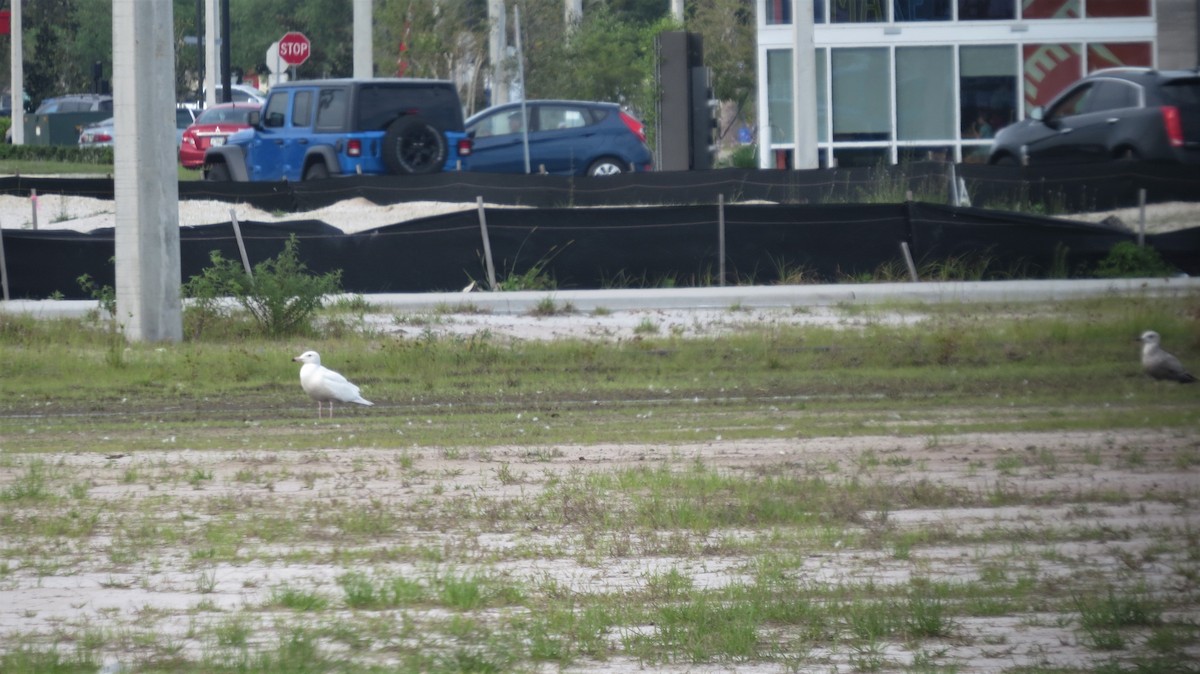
column 745, row 157
column 1128, row 260
column 56, row 153
column 283, row 295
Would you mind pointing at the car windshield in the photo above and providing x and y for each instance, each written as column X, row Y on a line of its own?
column 225, row 116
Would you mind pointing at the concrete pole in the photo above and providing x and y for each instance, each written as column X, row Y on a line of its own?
column 677, row 10
column 145, row 171
column 498, row 51
column 212, row 66
column 364, row 61
column 572, row 13
column 17, row 75
column 804, row 87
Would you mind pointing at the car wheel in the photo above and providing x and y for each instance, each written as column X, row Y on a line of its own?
column 413, row 146
column 217, row 173
column 606, row 166
column 316, row 171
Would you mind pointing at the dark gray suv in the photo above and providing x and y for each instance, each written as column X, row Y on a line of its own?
column 1113, row 114
column 316, row 129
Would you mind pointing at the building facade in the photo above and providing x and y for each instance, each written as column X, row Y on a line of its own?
column 902, row 80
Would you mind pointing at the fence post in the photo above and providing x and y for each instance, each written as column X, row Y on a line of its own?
column 912, row 268
column 1141, row 217
column 3, row 266
column 487, row 245
column 721, row 239
column 237, row 233
column 33, row 205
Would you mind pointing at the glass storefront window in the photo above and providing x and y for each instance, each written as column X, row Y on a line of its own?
column 982, row 10
column 1049, row 69
column 1107, row 8
column 779, row 95
column 1050, row 9
column 777, row 12
column 924, row 93
column 862, row 156
column 921, row 10
column 908, row 154
column 862, row 109
column 987, row 90
column 857, row 11
column 1116, row 54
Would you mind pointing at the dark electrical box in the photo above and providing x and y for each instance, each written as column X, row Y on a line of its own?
column 684, row 134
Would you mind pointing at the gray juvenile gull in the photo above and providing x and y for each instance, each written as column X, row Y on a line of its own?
column 1158, row 363
column 324, row 385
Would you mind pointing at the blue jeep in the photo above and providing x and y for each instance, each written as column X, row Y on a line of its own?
column 315, row 129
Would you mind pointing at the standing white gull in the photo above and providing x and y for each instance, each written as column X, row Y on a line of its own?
column 1158, row 363
column 324, row 385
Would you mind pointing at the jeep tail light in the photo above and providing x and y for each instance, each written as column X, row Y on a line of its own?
column 464, row 147
column 635, row 126
column 1173, row 125
column 354, row 148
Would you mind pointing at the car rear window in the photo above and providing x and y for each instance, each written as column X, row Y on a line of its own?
column 1182, row 92
column 225, row 116
column 379, row 104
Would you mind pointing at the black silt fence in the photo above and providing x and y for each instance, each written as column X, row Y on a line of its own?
column 617, row 247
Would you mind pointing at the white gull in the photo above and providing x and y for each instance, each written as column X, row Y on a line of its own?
column 324, row 385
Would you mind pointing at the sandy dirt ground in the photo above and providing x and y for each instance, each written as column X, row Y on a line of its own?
column 87, row 584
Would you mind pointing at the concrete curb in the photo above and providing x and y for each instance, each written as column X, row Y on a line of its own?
column 758, row 297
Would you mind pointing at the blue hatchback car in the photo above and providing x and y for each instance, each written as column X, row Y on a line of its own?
column 565, row 138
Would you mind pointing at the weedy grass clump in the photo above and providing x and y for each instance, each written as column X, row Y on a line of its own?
column 281, row 295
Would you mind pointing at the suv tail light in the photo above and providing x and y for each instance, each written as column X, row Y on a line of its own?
column 464, row 147
column 1173, row 125
column 635, row 126
column 354, row 148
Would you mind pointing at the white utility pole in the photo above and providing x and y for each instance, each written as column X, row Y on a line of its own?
column 677, row 10
column 17, row 75
column 572, row 13
column 212, row 64
column 145, row 171
column 804, row 87
column 364, row 63
column 498, row 51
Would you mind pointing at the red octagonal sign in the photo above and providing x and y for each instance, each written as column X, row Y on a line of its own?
column 294, row 48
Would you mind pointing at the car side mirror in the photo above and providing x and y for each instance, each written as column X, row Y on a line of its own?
column 1037, row 114
column 254, row 118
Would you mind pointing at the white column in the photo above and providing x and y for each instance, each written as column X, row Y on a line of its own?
column 212, row 64
column 145, row 172
column 364, row 61
column 677, row 10
column 17, row 75
column 572, row 13
column 498, row 50
column 804, row 88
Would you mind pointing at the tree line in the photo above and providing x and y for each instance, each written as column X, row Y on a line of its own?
column 609, row 56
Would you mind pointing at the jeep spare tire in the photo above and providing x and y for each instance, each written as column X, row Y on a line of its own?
column 412, row 145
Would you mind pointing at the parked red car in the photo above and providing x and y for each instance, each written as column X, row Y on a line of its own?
column 211, row 128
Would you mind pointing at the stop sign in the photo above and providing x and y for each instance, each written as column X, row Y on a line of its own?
column 294, row 48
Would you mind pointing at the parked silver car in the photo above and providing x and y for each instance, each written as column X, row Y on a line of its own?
column 100, row 134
